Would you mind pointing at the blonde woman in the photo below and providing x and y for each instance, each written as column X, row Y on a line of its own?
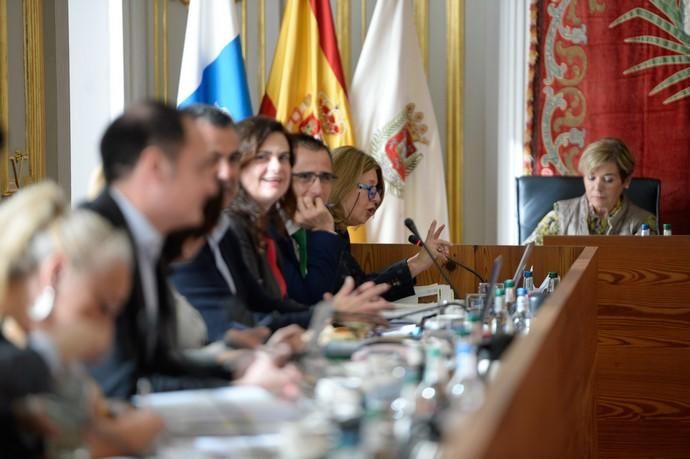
column 63, row 278
column 357, row 194
column 606, row 166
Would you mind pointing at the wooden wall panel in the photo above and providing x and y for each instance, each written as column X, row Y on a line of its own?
column 643, row 374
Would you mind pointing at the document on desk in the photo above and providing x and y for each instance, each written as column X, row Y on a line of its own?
column 410, row 307
column 224, row 411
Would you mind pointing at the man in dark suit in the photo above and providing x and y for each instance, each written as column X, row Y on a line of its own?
column 310, row 254
column 158, row 173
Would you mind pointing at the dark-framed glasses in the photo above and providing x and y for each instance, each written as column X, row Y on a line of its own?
column 310, row 177
column 372, row 190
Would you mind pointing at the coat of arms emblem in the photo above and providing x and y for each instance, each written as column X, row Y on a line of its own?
column 394, row 146
column 327, row 119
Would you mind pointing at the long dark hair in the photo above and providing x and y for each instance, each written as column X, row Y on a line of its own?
column 253, row 133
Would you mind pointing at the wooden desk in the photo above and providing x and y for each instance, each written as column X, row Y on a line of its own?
column 542, row 402
column 643, row 318
column 375, row 257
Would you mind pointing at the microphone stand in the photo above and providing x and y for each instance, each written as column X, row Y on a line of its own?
column 409, row 223
column 452, row 262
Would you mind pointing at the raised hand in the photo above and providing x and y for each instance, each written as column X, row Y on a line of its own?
column 439, row 248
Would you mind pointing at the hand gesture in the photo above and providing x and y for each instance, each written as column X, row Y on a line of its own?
column 438, row 247
column 364, row 299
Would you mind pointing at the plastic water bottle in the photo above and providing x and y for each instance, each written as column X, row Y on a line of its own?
column 465, row 390
column 528, row 281
column 667, row 229
column 430, row 396
column 498, row 320
column 554, row 280
column 522, row 318
column 644, row 229
column 509, row 286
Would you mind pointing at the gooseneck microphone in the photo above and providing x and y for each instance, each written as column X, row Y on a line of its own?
column 451, row 264
column 409, row 223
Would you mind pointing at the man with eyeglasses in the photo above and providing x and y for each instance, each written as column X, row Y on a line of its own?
column 309, row 258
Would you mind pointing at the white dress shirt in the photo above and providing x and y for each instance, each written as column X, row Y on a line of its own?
column 213, row 242
column 149, row 243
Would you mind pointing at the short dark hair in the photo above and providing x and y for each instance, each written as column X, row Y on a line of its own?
column 142, row 125
column 301, row 139
column 213, row 115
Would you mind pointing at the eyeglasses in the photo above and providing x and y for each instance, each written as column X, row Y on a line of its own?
column 308, row 178
column 372, row 190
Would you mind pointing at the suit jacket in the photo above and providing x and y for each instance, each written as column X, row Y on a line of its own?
column 23, row 372
column 397, row 275
column 130, row 357
column 324, row 251
column 200, row 281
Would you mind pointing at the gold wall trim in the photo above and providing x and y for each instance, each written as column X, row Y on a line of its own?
column 244, row 30
column 161, row 64
column 362, row 20
column 262, row 48
column 421, row 8
column 342, row 29
column 35, row 88
column 156, row 50
column 4, row 95
column 164, row 33
column 455, row 29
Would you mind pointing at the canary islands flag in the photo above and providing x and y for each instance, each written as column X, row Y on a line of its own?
column 212, row 66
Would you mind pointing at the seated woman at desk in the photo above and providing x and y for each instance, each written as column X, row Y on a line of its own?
column 607, row 166
column 357, row 194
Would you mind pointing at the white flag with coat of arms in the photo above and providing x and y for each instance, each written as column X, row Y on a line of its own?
column 395, row 123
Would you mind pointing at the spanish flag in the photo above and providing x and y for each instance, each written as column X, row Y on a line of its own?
column 306, row 87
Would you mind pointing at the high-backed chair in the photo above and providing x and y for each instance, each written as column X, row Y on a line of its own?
column 536, row 195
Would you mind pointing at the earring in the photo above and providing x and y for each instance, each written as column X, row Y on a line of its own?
column 43, row 305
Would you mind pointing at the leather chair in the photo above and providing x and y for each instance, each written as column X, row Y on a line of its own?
column 536, row 195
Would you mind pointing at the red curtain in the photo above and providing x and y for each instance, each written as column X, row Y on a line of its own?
column 605, row 68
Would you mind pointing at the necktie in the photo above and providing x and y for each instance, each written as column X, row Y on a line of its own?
column 300, row 238
column 272, row 259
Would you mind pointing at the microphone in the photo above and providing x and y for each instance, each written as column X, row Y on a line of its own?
column 451, row 264
column 409, row 223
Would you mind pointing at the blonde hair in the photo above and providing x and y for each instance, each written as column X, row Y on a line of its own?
column 87, row 240
column 22, row 216
column 349, row 163
column 606, row 150
column 36, row 222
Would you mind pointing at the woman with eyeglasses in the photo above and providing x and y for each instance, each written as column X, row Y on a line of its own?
column 606, row 166
column 357, row 194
